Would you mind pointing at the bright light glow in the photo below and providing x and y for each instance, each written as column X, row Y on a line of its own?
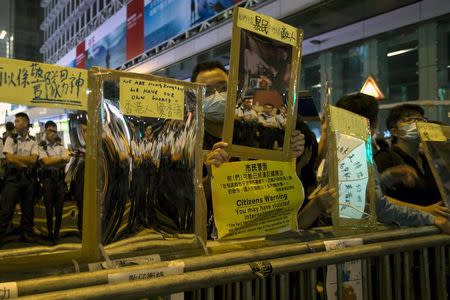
column 316, row 86
column 2, row 34
column 399, row 52
column 371, row 88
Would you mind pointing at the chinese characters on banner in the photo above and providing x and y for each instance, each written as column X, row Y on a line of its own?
column 151, row 99
column 353, row 176
column 267, row 26
column 351, row 272
column 255, row 198
column 37, row 84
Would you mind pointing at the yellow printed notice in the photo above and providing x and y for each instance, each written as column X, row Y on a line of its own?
column 255, row 198
column 430, row 132
column 37, row 84
column 267, row 26
column 154, row 99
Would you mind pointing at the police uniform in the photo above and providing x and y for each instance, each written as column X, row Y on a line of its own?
column 267, row 130
column 52, row 178
column 19, row 184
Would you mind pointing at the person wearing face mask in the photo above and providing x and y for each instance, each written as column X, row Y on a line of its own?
column 405, row 173
column 389, row 208
column 215, row 76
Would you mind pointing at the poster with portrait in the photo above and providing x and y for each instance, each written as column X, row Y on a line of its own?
column 435, row 140
column 263, row 84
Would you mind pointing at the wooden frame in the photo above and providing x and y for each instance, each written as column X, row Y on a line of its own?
column 98, row 76
column 278, row 34
column 434, row 133
column 344, row 122
column 34, row 258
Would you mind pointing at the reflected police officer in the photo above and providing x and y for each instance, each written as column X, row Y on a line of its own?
column 21, row 153
column 53, row 158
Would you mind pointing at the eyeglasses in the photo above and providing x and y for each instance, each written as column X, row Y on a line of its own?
column 409, row 120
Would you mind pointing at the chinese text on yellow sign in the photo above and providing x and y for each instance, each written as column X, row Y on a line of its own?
column 267, row 26
column 255, row 198
column 154, row 99
column 37, row 84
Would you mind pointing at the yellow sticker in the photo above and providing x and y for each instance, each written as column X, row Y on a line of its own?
column 154, row 99
column 267, row 26
column 430, row 132
column 255, row 198
column 37, row 84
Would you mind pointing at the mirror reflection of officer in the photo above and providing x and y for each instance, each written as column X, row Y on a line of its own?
column 21, row 153
column 53, row 158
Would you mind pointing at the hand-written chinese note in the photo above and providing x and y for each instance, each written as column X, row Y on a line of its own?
column 430, row 132
column 255, row 198
column 267, row 26
column 353, row 176
column 8, row 290
column 155, row 99
column 38, row 84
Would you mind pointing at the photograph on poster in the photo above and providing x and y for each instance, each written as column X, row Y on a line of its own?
column 262, row 98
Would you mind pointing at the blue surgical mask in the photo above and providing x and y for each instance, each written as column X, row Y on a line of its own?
column 214, row 107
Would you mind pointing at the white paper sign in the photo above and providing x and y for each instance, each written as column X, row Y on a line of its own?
column 174, row 268
column 353, row 176
column 8, row 290
column 351, row 272
column 124, row 262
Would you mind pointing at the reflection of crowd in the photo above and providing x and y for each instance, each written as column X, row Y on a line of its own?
column 162, row 187
column 263, row 130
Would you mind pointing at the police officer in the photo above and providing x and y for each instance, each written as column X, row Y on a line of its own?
column 53, row 158
column 21, row 153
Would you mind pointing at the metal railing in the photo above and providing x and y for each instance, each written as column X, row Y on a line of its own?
column 297, row 269
column 414, row 268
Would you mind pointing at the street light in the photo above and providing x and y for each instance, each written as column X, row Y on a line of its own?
column 2, row 34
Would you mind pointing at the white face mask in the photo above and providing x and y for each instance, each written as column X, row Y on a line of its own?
column 409, row 132
column 214, row 107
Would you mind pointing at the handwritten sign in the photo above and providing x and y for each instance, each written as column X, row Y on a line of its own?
column 255, row 198
column 351, row 272
column 8, row 290
column 267, row 26
column 430, row 132
column 36, row 84
column 353, row 176
column 154, row 99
